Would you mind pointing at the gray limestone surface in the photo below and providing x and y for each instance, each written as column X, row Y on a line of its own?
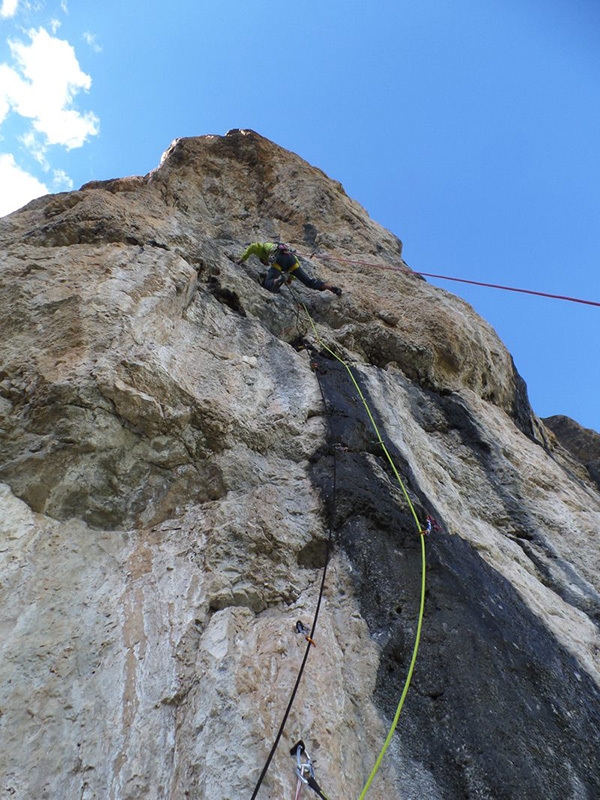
column 169, row 437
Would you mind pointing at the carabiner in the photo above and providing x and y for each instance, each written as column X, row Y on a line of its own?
column 304, row 769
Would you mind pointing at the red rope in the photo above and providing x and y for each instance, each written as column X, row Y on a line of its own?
column 408, row 270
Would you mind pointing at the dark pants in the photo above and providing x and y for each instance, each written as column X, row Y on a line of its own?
column 274, row 279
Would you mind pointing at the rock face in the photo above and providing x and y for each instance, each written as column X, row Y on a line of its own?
column 176, row 448
column 582, row 443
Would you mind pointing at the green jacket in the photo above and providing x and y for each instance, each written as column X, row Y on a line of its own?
column 262, row 250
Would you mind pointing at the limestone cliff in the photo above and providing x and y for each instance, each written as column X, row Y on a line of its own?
column 582, row 443
column 168, row 437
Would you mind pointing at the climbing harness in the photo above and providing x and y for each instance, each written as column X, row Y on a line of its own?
column 305, row 771
column 430, row 525
column 301, row 628
column 284, row 259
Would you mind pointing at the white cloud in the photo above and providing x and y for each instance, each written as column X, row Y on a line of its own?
column 41, row 83
column 43, row 86
column 17, row 187
column 9, row 87
column 8, row 8
column 90, row 39
column 61, row 181
column 36, row 148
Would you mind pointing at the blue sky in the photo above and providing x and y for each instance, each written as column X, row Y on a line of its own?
column 470, row 128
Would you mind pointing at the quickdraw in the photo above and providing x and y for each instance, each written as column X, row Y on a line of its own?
column 305, row 771
column 430, row 525
column 301, row 628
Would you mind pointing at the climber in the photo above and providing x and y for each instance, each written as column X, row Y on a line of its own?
column 283, row 267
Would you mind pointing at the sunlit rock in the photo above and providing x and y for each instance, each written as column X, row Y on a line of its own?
column 169, row 437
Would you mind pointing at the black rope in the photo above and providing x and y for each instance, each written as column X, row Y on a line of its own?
column 316, row 788
column 314, row 625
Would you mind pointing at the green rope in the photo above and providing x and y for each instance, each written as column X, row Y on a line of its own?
column 413, row 660
column 411, row 668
